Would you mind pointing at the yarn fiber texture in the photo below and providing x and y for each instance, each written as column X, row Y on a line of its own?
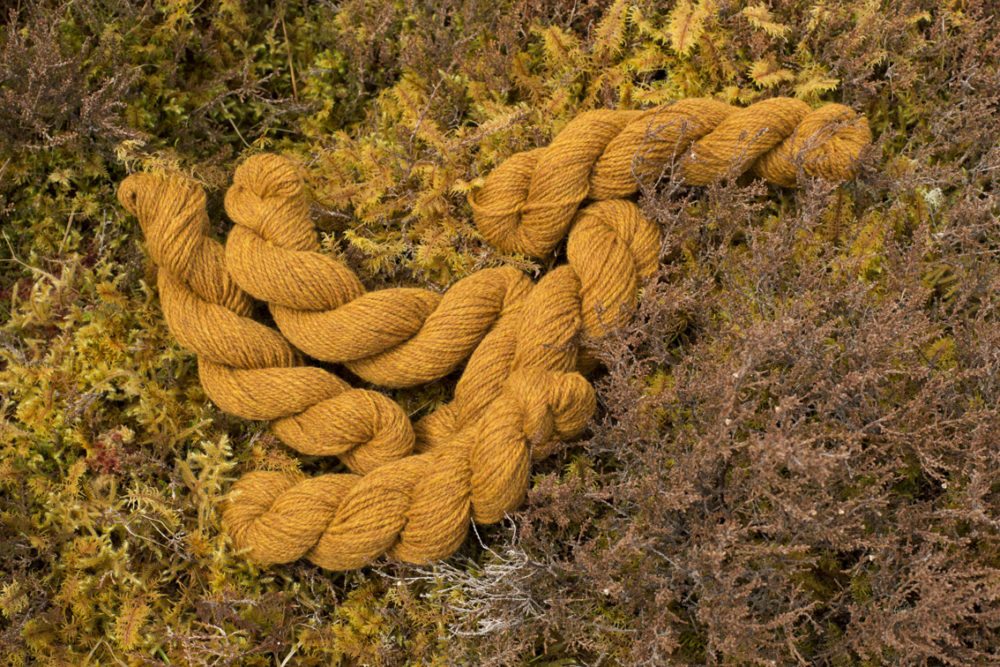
column 404, row 337
column 246, row 368
column 397, row 337
column 518, row 394
column 527, row 203
column 413, row 489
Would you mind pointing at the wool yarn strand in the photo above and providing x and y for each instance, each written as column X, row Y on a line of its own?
column 474, row 462
column 246, row 368
column 393, row 338
column 527, row 203
column 522, row 343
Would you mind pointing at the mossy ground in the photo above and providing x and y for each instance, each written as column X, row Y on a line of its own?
column 795, row 460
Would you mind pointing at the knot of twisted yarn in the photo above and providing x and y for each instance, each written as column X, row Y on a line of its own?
column 518, row 394
column 417, row 509
column 527, row 203
column 394, row 337
column 612, row 250
column 523, row 343
column 497, row 313
column 246, row 368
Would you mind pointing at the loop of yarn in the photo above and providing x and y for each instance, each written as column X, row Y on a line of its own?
column 488, row 304
column 527, row 203
column 518, row 394
column 416, row 509
column 395, row 337
column 246, row 368
column 523, row 344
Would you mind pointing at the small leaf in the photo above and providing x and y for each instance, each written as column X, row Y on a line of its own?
column 561, row 47
column 646, row 59
column 61, row 176
column 760, row 17
column 610, row 32
column 686, row 25
column 813, row 82
column 13, row 600
column 129, row 623
column 767, row 73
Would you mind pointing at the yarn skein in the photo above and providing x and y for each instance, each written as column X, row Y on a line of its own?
column 518, row 394
column 404, row 337
column 416, row 509
column 481, row 312
column 246, row 368
column 397, row 337
column 527, row 203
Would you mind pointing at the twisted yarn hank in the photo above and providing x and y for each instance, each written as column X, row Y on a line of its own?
column 394, row 337
column 527, row 203
column 418, row 508
column 267, row 194
column 404, row 337
column 519, row 392
column 246, row 368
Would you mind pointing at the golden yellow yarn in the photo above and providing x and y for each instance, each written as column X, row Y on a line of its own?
column 517, row 394
column 404, row 337
column 418, row 508
column 520, row 390
column 395, row 337
column 246, row 368
column 527, row 203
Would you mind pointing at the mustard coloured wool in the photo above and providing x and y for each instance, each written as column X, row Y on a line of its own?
column 413, row 489
column 529, row 201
